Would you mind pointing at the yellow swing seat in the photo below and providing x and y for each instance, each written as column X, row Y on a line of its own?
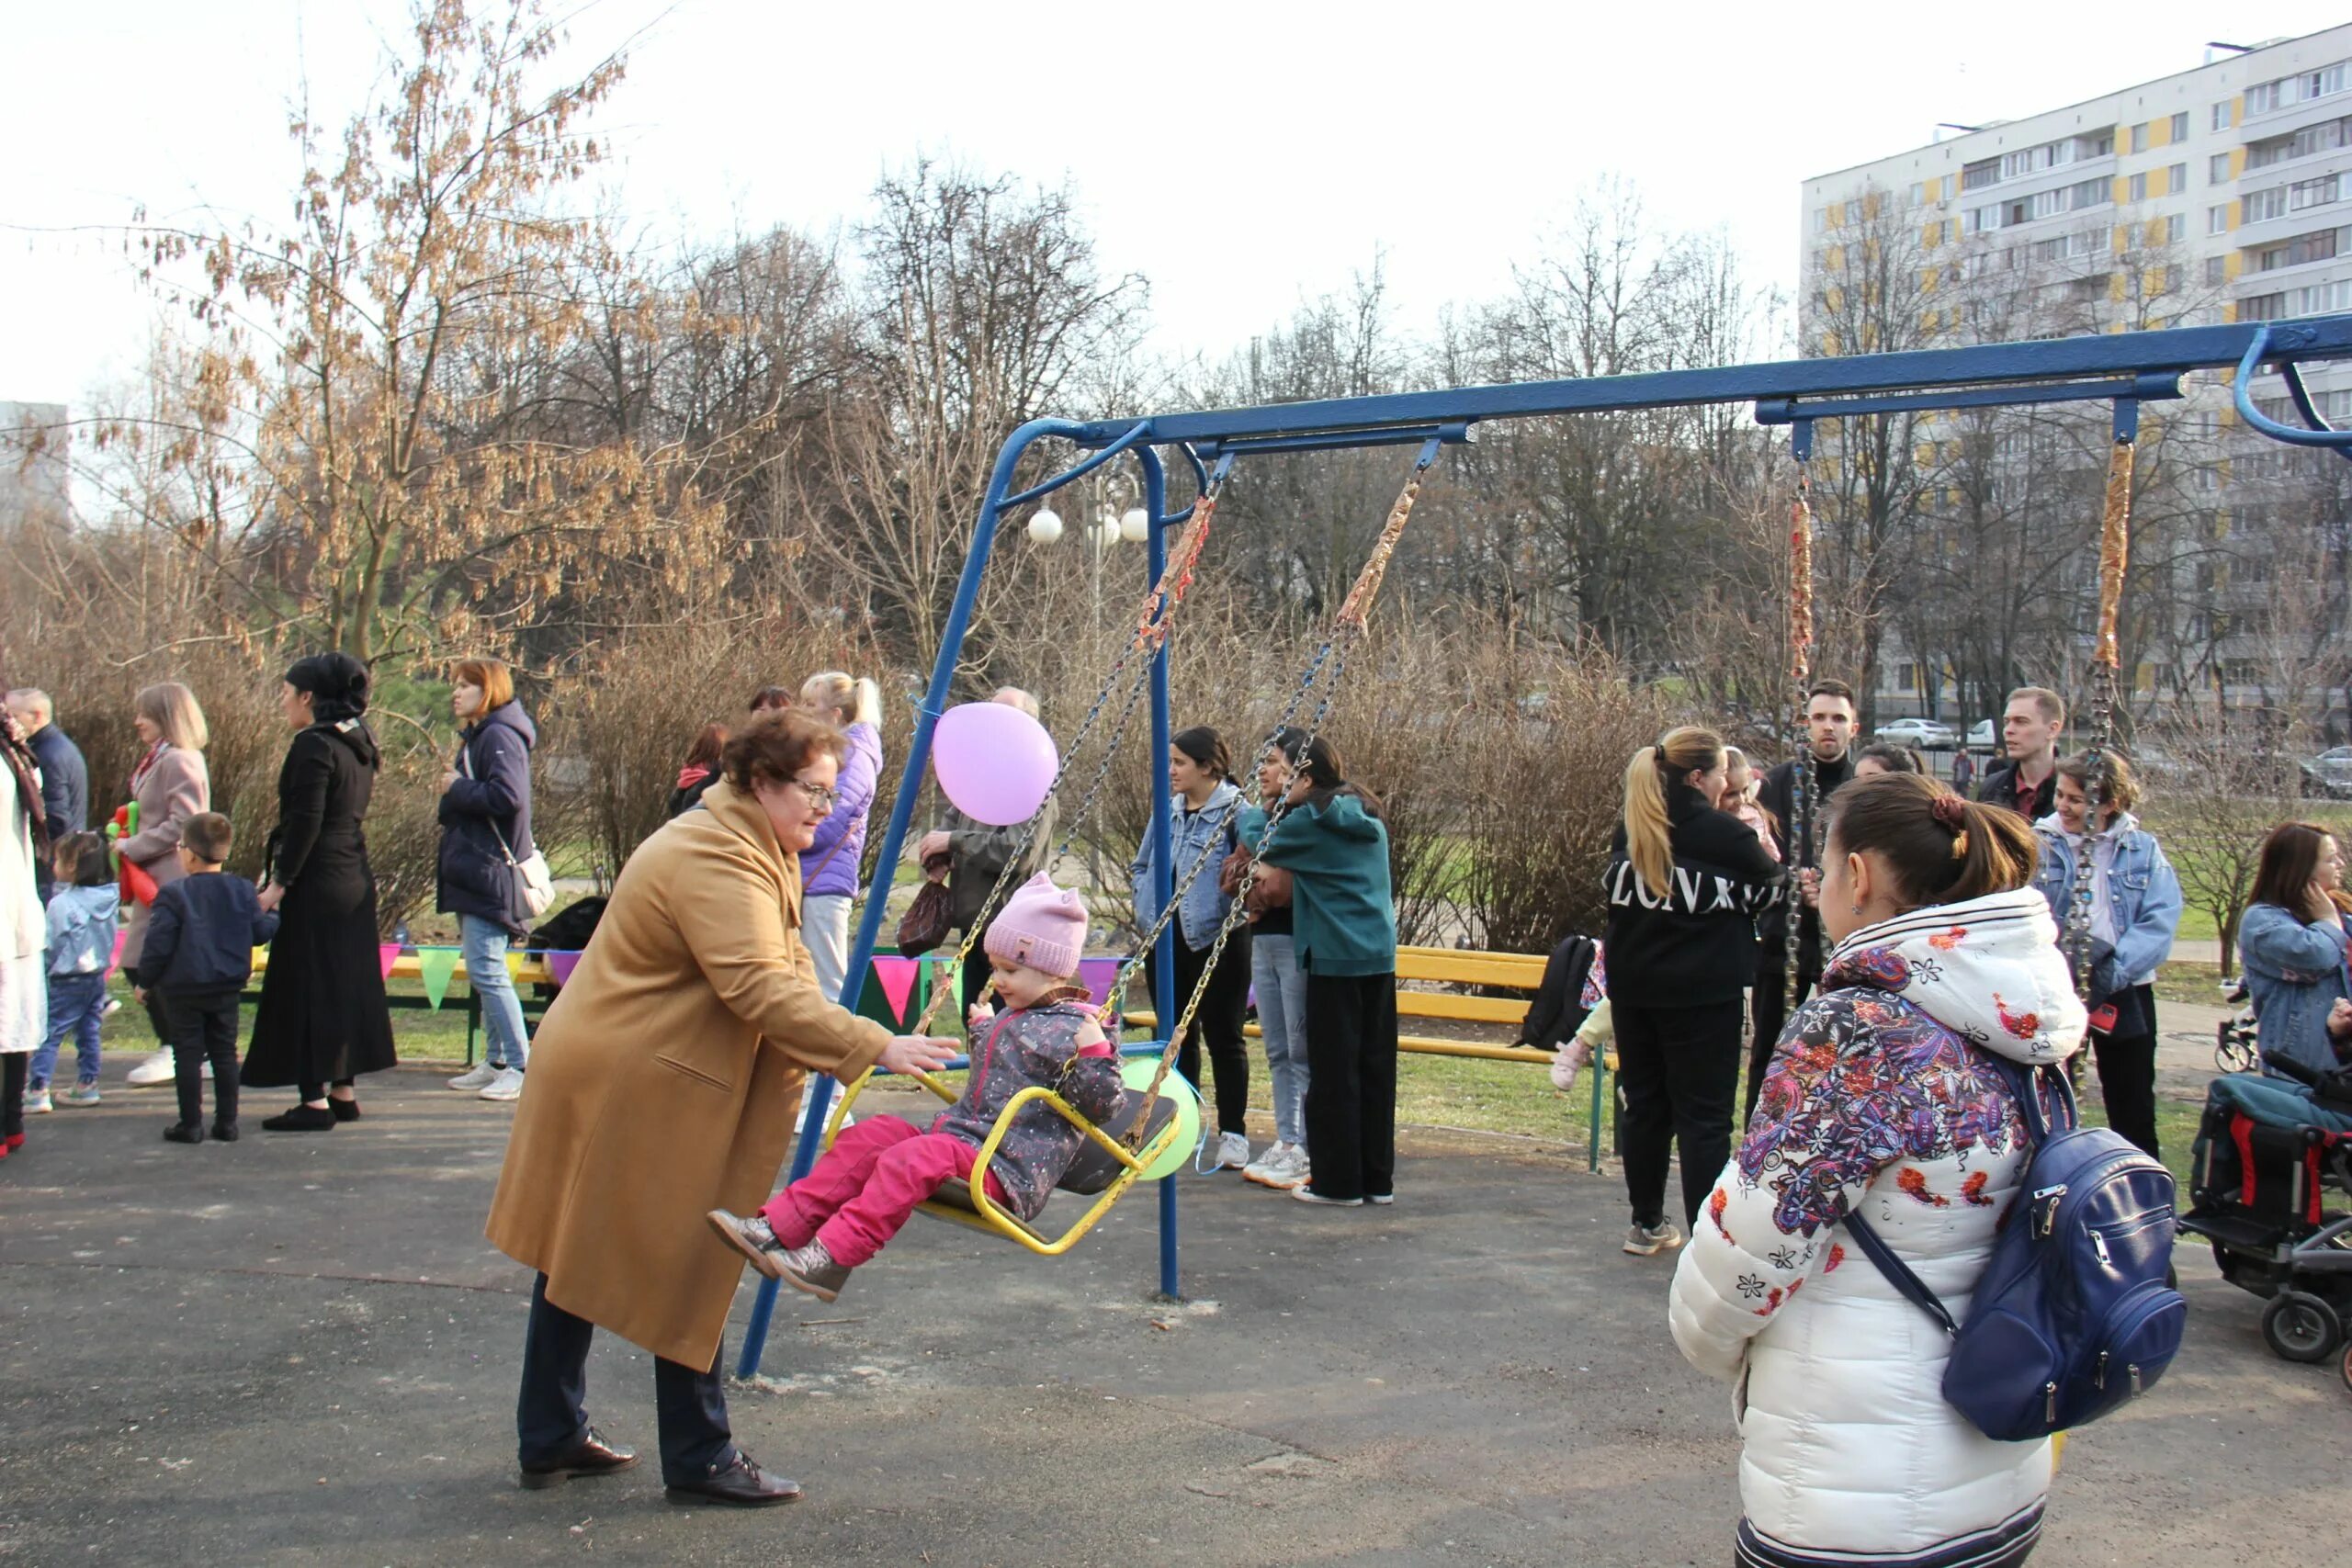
column 963, row 1204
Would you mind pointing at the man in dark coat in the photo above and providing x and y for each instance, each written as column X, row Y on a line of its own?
column 1829, row 719
column 64, row 776
column 2026, row 778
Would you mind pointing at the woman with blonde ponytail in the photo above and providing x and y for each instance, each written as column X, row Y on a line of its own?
column 829, row 865
column 1685, row 883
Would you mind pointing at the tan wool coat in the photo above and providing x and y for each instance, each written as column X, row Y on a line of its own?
column 665, row 1079
column 176, row 788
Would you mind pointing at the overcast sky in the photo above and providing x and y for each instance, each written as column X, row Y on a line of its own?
column 1242, row 156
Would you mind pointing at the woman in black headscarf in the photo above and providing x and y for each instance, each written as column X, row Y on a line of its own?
column 322, row 1020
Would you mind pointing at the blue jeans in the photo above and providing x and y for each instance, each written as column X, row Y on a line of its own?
column 1281, row 1018
column 502, row 1012
column 76, row 1005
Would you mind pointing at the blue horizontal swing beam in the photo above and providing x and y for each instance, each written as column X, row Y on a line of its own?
column 2152, row 385
column 2053, row 360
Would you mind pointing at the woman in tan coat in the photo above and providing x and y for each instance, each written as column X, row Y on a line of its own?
column 170, row 785
column 663, row 1084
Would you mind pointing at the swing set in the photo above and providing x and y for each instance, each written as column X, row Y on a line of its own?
column 2123, row 369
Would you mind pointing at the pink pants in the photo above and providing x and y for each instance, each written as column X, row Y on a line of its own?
column 860, row 1192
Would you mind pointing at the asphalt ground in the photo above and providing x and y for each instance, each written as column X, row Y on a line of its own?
column 298, row 1350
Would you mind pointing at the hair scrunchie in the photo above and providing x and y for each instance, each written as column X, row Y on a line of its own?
column 1951, row 813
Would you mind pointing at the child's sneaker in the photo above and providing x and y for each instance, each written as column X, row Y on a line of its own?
column 752, row 1239
column 37, row 1102
column 812, row 1268
column 1567, row 1061
column 80, row 1094
column 1648, row 1241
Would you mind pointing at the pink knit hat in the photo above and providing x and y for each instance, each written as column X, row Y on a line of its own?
column 1043, row 926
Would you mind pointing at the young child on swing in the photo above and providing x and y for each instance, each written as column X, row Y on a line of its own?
column 863, row 1189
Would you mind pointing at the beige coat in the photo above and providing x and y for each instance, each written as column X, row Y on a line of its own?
column 665, row 1079
column 176, row 788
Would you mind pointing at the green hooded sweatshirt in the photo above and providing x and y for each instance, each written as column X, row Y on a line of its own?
column 1343, row 917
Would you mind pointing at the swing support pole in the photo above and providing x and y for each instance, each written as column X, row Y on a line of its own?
column 1163, row 873
column 820, row 1088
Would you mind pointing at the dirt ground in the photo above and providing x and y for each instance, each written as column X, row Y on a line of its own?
column 297, row 1350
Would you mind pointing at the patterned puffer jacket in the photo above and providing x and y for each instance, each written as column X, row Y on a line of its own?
column 1057, row 1047
column 1879, row 1099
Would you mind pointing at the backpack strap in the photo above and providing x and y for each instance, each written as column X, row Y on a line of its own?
column 1898, row 1273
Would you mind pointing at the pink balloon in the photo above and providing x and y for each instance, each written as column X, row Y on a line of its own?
column 995, row 762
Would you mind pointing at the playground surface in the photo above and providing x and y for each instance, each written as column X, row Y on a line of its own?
column 297, row 1350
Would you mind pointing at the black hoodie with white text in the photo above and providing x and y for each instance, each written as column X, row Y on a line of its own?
column 1694, row 943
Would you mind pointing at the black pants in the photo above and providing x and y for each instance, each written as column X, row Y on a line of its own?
column 13, row 1068
column 551, row 1413
column 975, row 975
column 1350, row 1111
column 1219, row 1022
column 204, row 1029
column 159, row 1018
column 2126, row 1076
column 1771, row 1015
column 1679, row 1070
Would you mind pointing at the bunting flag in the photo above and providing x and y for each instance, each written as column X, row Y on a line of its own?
column 514, row 965
column 434, row 965
column 1098, row 975
column 561, row 964
column 388, row 953
column 896, row 977
column 120, row 938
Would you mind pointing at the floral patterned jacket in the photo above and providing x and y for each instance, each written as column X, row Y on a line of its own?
column 1880, row 1098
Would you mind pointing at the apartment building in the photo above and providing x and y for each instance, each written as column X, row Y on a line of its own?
column 2219, row 194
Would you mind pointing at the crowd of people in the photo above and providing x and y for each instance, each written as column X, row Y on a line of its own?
column 1857, row 940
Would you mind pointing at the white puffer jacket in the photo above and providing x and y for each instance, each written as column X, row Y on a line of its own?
column 1878, row 1099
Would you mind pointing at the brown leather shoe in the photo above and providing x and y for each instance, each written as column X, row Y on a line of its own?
column 751, row 1237
column 812, row 1268
column 592, row 1455
column 740, row 1483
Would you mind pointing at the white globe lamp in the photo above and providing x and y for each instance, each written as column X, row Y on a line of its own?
column 1044, row 527
column 1136, row 527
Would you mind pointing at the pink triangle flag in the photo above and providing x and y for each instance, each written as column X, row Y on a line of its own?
column 561, row 964
column 898, row 978
column 388, row 953
column 1097, row 975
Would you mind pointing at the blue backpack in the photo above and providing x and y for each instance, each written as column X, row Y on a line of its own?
column 2072, row 1316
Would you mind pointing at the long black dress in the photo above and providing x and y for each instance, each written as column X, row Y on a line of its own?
column 323, row 1017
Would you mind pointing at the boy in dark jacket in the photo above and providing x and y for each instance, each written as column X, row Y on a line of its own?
column 867, row 1186
column 200, row 937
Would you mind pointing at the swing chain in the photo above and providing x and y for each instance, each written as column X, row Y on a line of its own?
column 1801, row 794
column 2114, row 561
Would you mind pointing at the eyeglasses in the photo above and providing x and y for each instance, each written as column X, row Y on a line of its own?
column 821, row 797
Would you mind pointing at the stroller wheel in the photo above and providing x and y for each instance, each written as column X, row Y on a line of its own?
column 2300, row 1326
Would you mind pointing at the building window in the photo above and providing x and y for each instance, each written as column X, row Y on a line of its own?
column 2139, row 138
column 1977, row 177
column 2265, row 205
column 2217, row 219
column 2217, row 169
column 1919, row 193
column 2222, row 115
column 2269, row 95
column 2138, row 187
column 2180, row 125
column 2262, row 307
column 2217, row 269
column 2313, row 193
column 2175, row 229
column 2177, row 178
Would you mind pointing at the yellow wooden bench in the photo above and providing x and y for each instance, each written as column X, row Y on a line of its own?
column 1460, row 967
column 526, row 970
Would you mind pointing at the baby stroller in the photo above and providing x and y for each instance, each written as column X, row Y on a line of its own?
column 2257, row 1192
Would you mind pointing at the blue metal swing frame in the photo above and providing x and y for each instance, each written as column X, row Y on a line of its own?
column 2125, row 368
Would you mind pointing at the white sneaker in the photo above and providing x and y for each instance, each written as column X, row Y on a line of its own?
column 1648, row 1241
column 1257, row 1169
column 157, row 1068
column 1232, row 1152
column 507, row 1085
column 481, row 1076
column 37, row 1102
column 1282, row 1167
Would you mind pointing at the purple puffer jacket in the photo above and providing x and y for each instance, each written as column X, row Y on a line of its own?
column 843, row 829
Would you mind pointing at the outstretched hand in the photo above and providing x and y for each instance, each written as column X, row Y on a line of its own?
column 917, row 1054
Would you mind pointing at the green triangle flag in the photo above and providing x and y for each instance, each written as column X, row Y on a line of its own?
column 434, row 965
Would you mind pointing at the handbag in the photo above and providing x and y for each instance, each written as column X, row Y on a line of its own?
column 925, row 924
column 530, row 886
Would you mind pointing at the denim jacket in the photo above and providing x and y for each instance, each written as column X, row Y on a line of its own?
column 1213, row 830
column 2294, row 971
column 81, row 922
column 2144, row 900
